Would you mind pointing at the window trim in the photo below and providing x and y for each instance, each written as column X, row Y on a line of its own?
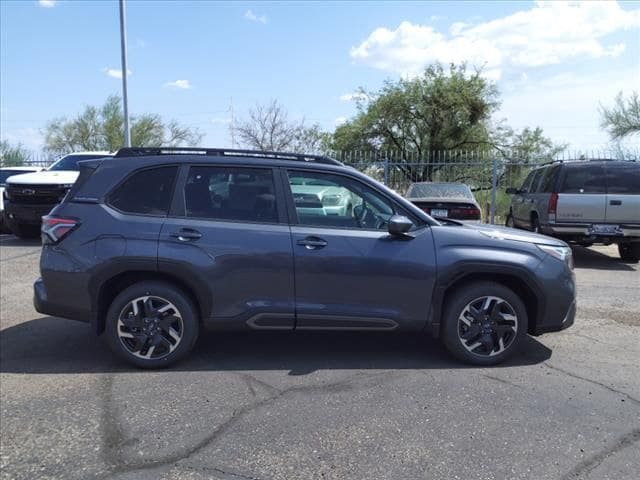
column 107, row 197
column 293, row 214
column 179, row 207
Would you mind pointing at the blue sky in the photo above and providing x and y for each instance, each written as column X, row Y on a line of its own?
column 553, row 62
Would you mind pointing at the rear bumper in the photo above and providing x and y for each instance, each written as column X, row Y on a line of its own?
column 581, row 231
column 46, row 304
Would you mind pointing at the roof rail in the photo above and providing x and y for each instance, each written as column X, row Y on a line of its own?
column 223, row 152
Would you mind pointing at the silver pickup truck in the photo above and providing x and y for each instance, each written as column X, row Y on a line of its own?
column 584, row 202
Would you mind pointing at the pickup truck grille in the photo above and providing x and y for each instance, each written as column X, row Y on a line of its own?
column 35, row 194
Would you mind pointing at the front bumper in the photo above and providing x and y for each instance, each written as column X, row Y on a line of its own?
column 567, row 321
column 26, row 214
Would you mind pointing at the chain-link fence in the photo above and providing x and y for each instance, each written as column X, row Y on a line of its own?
column 487, row 172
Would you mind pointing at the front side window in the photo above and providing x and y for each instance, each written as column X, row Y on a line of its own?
column 537, row 178
column 583, row 179
column 526, row 185
column 147, row 192
column 231, row 193
column 336, row 201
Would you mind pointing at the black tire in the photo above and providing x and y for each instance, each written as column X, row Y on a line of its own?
column 24, row 231
column 186, row 314
column 629, row 252
column 453, row 329
column 535, row 224
column 509, row 221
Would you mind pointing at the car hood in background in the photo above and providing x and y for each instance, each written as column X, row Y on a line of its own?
column 59, row 177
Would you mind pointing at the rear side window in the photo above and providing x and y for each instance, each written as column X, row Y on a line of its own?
column 623, row 179
column 147, row 192
column 231, row 193
column 548, row 180
column 583, row 179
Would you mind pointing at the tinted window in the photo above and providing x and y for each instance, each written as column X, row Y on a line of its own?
column 326, row 200
column 583, row 179
column 70, row 162
column 146, row 192
column 548, row 179
column 537, row 178
column 231, row 193
column 623, row 179
column 526, row 185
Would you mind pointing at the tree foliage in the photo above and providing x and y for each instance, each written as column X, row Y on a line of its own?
column 102, row 128
column 269, row 128
column 13, row 155
column 623, row 119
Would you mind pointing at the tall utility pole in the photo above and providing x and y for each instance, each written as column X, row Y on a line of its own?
column 123, row 50
column 233, row 125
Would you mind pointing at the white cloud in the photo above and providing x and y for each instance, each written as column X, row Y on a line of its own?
column 340, row 121
column 353, row 97
column 249, row 15
column 116, row 73
column 183, row 84
column 548, row 33
column 47, row 3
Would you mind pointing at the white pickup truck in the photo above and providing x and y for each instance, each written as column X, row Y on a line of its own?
column 6, row 172
column 30, row 196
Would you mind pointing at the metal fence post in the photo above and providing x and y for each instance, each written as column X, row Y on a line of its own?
column 386, row 171
column 494, row 187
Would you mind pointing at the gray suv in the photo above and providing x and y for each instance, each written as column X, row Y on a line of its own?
column 155, row 244
column 585, row 202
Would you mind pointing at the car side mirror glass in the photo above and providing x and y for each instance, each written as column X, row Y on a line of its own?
column 399, row 225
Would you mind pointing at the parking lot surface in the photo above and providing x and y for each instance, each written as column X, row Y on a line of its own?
column 307, row 406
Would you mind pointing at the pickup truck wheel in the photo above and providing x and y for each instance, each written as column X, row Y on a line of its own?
column 629, row 252
column 535, row 224
column 483, row 323
column 151, row 325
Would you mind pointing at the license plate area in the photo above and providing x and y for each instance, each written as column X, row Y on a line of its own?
column 439, row 212
column 599, row 229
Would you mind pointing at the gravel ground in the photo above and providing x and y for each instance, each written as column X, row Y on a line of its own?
column 323, row 406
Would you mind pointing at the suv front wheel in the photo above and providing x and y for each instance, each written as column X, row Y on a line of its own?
column 483, row 323
column 151, row 324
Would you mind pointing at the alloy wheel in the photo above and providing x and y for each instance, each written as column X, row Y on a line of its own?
column 487, row 326
column 150, row 327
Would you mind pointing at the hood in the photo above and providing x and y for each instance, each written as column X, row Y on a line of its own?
column 505, row 233
column 58, row 177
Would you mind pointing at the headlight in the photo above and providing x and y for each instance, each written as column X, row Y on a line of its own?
column 561, row 253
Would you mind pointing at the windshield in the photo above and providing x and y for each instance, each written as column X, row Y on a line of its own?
column 439, row 190
column 70, row 162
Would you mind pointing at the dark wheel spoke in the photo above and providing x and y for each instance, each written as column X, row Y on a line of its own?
column 472, row 333
column 487, row 326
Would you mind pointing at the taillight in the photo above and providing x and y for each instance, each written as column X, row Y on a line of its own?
column 553, row 204
column 468, row 213
column 426, row 210
column 55, row 228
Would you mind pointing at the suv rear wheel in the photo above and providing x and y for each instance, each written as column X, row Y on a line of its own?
column 629, row 252
column 483, row 323
column 151, row 324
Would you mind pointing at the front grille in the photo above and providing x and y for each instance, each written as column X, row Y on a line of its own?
column 35, row 194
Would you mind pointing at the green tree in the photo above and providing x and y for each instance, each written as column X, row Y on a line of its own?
column 440, row 110
column 102, row 128
column 623, row 119
column 13, row 155
column 269, row 128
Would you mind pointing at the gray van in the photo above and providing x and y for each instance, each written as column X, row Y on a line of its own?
column 584, row 202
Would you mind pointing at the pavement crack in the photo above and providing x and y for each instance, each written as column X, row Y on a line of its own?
column 502, row 380
column 587, row 466
column 111, row 434
column 333, row 387
column 595, row 382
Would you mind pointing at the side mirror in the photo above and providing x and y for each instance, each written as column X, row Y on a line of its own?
column 512, row 191
column 399, row 225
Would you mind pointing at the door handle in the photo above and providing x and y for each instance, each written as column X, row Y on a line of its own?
column 312, row 243
column 187, row 234
column 615, row 202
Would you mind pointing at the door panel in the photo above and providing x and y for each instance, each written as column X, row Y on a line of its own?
column 363, row 279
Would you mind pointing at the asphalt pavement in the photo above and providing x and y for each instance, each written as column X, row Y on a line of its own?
column 323, row 406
